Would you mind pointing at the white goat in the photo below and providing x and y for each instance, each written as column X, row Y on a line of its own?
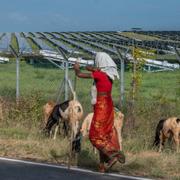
column 69, row 112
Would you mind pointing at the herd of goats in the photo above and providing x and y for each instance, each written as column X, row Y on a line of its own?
column 67, row 117
column 70, row 114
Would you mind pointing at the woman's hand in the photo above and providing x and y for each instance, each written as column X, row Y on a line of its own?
column 76, row 66
column 79, row 73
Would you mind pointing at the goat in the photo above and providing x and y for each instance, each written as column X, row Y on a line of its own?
column 47, row 110
column 68, row 112
column 54, row 120
column 118, row 124
column 164, row 130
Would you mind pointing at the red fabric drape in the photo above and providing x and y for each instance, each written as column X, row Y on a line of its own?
column 102, row 133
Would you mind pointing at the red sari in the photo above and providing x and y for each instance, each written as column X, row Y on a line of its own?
column 102, row 133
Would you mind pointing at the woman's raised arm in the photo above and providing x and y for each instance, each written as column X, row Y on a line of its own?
column 79, row 73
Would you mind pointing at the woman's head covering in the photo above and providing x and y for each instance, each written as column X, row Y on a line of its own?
column 106, row 64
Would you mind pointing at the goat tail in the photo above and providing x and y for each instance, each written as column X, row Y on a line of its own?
column 158, row 132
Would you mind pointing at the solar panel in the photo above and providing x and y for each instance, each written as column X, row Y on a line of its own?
column 5, row 42
column 55, row 35
column 23, row 44
column 86, row 36
column 101, row 46
column 78, row 45
column 66, row 35
column 42, row 44
column 108, row 37
column 96, row 36
column 61, row 45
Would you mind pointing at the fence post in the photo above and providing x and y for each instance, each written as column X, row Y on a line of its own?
column 66, row 73
column 17, row 79
column 121, row 78
column 17, row 56
column 66, row 80
column 177, row 54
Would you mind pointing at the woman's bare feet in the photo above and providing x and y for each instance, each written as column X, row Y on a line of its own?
column 111, row 163
column 101, row 168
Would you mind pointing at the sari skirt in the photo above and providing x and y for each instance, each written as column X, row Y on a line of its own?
column 102, row 132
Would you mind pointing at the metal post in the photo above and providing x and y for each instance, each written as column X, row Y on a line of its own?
column 122, row 82
column 17, row 79
column 66, row 81
column 134, row 73
column 66, row 84
column 17, row 71
column 65, row 74
column 177, row 54
column 121, row 77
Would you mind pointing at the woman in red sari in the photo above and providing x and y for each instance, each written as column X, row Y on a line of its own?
column 102, row 133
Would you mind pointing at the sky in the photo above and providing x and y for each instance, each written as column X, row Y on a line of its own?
column 88, row 15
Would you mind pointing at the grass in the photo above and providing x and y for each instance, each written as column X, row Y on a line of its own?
column 139, row 36
column 21, row 127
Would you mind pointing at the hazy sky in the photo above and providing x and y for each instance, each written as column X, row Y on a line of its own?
column 88, row 15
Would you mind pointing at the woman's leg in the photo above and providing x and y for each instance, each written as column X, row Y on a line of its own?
column 102, row 161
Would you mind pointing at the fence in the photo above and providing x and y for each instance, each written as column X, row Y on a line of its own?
column 45, row 78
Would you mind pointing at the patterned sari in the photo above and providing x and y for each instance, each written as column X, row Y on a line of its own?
column 102, row 133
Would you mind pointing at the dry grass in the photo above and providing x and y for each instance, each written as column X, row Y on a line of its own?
column 139, row 36
column 152, row 164
column 44, row 150
column 144, row 163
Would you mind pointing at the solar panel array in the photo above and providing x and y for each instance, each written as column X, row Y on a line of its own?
column 89, row 42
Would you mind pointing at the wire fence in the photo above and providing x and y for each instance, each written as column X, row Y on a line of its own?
column 37, row 76
column 44, row 78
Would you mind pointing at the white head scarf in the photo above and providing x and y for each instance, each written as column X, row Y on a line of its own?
column 106, row 64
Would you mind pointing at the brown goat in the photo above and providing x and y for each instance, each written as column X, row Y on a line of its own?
column 165, row 129
column 118, row 124
column 47, row 110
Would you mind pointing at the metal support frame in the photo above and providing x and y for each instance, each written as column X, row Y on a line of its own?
column 66, row 83
column 122, row 59
column 51, row 61
column 177, row 54
column 17, row 56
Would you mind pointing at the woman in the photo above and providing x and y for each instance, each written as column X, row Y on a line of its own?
column 102, row 133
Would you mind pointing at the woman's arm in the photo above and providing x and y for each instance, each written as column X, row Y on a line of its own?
column 91, row 68
column 79, row 73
